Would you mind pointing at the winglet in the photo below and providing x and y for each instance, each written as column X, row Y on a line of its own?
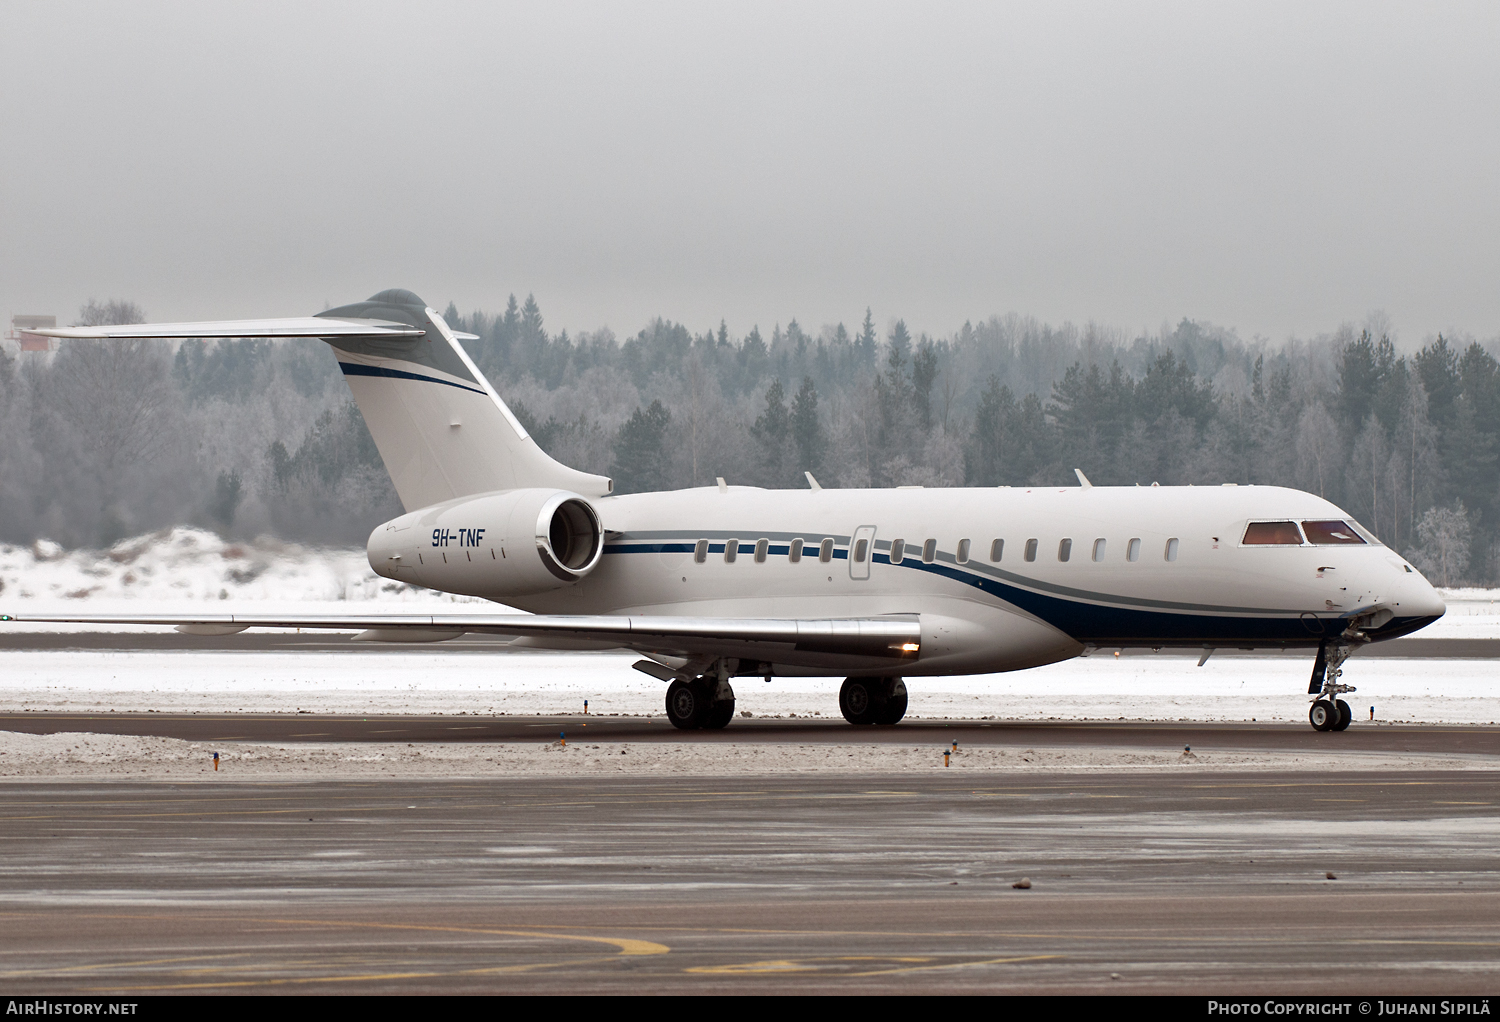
column 1083, row 480
column 812, row 482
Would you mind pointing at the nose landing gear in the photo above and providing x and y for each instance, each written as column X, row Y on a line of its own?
column 1329, row 712
column 873, row 700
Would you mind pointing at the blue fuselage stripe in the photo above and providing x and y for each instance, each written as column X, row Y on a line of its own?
column 1094, row 623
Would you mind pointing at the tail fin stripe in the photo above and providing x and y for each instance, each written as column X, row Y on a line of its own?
column 353, row 369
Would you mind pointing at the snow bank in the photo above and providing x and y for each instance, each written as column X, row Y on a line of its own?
column 194, row 565
column 186, row 570
column 71, row 756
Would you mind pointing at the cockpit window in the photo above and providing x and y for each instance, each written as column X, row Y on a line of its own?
column 1330, row 532
column 1273, row 534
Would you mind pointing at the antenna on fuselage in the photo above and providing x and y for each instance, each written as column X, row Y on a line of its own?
column 811, row 481
column 1083, row 480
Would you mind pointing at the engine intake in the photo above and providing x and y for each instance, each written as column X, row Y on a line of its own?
column 569, row 536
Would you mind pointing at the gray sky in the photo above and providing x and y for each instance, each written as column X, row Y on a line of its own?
column 1275, row 168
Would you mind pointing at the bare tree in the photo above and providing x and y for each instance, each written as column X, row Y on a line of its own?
column 1318, row 447
column 109, row 313
column 1415, row 448
column 1368, row 461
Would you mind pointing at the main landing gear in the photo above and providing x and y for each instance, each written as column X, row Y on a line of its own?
column 706, row 701
column 873, row 700
column 1329, row 712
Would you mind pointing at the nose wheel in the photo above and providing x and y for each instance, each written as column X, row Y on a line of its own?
column 1330, row 716
column 1328, row 711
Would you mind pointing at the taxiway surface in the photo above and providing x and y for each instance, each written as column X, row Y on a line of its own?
column 479, row 728
column 1151, row 882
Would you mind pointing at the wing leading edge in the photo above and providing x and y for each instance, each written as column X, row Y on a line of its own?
column 829, row 642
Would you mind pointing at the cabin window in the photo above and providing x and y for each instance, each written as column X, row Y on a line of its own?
column 1133, row 550
column 1171, row 552
column 1064, row 549
column 1098, row 549
column 700, row 552
column 898, row 550
column 761, row 547
column 794, row 552
column 963, row 552
column 996, row 549
column 929, row 551
column 1273, row 534
column 1030, row 554
column 825, row 551
column 731, row 550
column 1330, row 532
column 861, row 548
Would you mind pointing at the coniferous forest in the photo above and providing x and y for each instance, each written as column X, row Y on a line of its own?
column 106, row 440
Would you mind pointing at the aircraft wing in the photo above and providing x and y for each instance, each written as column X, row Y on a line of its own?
column 298, row 326
column 829, row 642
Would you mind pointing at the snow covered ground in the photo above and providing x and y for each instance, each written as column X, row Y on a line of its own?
column 430, row 680
column 1472, row 614
column 186, row 570
column 78, row 755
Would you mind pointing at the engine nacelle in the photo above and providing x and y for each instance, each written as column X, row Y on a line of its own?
column 494, row 545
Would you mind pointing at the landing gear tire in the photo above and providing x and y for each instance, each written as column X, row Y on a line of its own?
column 895, row 703
column 1346, row 716
column 873, row 700
column 691, row 705
column 859, row 700
column 719, row 714
column 1324, row 715
column 687, row 704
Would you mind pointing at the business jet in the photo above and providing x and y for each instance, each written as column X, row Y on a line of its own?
column 876, row 586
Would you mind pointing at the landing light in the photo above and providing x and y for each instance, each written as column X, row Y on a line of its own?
column 909, row 647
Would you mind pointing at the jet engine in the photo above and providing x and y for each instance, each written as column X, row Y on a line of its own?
column 493, row 545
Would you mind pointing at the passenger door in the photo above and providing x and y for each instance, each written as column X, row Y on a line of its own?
column 861, row 551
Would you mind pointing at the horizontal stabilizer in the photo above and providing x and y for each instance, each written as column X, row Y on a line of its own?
column 828, row 642
column 297, row 326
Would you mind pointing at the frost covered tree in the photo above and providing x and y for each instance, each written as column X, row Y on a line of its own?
column 1444, row 537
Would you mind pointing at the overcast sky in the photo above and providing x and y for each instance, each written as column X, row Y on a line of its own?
column 1274, row 168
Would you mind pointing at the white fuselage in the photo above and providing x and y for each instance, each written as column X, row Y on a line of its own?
column 1191, row 582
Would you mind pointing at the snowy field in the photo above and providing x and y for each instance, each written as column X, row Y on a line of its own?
column 187, row 570
column 432, row 681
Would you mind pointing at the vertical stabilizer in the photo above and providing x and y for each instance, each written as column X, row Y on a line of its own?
column 441, row 429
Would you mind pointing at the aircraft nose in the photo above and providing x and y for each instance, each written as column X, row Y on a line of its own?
column 1418, row 598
